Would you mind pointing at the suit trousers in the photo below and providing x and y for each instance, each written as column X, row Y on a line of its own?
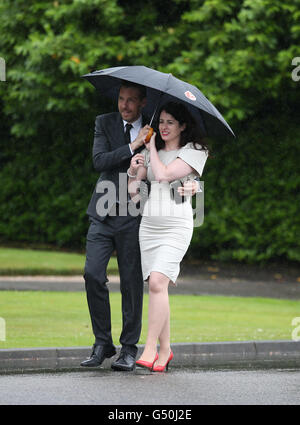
column 120, row 234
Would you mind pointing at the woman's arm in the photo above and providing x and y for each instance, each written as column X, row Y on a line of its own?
column 177, row 169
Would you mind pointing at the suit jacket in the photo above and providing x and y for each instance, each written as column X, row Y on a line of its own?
column 111, row 156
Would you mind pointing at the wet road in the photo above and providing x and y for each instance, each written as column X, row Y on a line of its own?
column 177, row 387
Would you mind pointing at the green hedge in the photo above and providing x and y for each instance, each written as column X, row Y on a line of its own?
column 239, row 53
column 45, row 188
column 251, row 194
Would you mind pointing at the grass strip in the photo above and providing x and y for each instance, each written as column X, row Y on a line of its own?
column 14, row 262
column 61, row 319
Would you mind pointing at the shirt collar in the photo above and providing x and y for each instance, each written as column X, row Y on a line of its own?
column 135, row 124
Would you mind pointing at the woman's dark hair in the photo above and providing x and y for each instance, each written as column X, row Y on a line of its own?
column 183, row 116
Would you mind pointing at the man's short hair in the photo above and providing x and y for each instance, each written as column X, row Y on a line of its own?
column 142, row 89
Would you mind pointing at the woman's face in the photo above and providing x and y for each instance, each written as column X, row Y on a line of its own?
column 169, row 128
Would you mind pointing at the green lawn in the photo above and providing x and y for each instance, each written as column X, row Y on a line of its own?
column 61, row 319
column 15, row 261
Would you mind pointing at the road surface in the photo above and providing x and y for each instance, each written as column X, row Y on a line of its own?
column 180, row 387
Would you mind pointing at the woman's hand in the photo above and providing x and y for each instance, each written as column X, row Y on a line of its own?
column 136, row 162
column 189, row 188
column 151, row 142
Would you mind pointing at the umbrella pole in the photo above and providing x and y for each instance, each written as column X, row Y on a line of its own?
column 158, row 102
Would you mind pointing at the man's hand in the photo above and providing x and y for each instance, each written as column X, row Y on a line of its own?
column 189, row 188
column 139, row 141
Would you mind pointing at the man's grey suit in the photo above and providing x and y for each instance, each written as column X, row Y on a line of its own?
column 106, row 234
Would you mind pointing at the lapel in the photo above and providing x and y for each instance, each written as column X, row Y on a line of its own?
column 118, row 132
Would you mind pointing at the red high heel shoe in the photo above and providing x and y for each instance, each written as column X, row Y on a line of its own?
column 160, row 368
column 147, row 365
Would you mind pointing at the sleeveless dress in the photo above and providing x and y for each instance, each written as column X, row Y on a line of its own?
column 166, row 228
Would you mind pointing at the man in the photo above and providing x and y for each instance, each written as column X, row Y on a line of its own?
column 114, row 146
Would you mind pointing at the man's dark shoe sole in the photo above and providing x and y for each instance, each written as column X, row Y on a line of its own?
column 123, row 368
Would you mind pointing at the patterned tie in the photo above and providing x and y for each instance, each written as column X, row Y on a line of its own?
column 127, row 132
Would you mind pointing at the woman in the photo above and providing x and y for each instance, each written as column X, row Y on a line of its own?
column 167, row 226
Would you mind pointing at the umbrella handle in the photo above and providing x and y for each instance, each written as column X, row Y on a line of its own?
column 149, row 135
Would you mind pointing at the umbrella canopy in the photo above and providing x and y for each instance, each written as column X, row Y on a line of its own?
column 162, row 88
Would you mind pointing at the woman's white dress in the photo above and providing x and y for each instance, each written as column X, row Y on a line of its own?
column 166, row 228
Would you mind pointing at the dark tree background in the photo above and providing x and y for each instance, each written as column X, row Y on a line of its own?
column 239, row 53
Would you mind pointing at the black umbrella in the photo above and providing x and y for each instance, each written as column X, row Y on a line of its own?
column 161, row 88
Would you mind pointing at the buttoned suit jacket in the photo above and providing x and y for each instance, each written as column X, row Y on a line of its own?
column 111, row 156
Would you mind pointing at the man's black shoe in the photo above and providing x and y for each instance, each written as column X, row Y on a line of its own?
column 99, row 353
column 125, row 362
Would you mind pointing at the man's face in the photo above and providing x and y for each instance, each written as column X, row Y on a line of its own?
column 130, row 104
